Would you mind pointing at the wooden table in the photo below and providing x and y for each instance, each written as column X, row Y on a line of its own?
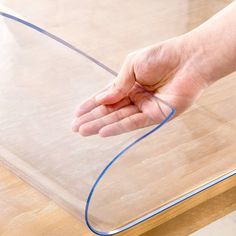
column 27, row 212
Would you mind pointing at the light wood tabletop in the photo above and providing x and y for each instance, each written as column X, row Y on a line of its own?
column 25, row 211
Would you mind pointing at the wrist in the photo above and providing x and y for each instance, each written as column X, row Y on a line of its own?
column 195, row 60
column 211, row 47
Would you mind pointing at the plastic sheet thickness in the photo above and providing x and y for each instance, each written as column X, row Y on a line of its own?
column 112, row 183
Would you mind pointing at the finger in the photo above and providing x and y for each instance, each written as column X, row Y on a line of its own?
column 89, row 104
column 98, row 112
column 94, row 126
column 149, row 104
column 86, row 106
column 131, row 123
column 121, row 86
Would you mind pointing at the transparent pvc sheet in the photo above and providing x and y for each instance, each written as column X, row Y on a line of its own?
column 112, row 183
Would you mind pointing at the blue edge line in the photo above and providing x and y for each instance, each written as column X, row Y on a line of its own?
column 159, row 210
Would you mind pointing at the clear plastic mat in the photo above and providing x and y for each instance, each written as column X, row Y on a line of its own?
column 111, row 183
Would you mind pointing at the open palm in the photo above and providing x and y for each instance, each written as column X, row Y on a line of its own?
column 162, row 72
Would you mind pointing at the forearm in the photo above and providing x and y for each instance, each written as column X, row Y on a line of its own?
column 212, row 45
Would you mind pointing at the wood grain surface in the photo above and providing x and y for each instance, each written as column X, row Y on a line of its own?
column 92, row 17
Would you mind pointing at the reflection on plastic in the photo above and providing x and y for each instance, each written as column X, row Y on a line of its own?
column 115, row 183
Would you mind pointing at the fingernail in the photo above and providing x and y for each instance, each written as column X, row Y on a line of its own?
column 79, row 111
column 101, row 96
column 75, row 127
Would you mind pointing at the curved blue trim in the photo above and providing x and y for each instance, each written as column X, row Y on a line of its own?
column 59, row 40
column 118, row 156
column 159, row 210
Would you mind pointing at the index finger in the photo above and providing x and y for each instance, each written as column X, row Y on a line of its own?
column 89, row 104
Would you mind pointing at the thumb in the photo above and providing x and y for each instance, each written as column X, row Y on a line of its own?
column 121, row 85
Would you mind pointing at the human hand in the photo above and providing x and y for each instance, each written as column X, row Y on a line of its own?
column 176, row 71
column 166, row 70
